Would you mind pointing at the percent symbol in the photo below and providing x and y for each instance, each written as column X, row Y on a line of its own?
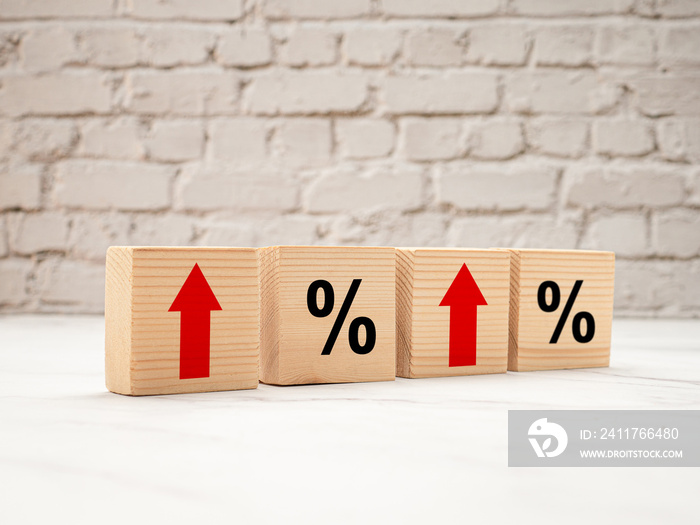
column 578, row 318
column 355, row 324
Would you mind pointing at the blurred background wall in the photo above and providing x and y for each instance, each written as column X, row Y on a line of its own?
column 477, row 123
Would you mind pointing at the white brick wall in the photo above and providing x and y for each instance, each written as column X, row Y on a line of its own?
column 532, row 123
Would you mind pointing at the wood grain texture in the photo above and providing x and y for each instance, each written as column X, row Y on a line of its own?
column 531, row 328
column 293, row 339
column 268, row 262
column 423, row 276
column 142, row 340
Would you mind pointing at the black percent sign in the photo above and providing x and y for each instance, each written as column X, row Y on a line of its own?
column 355, row 324
column 578, row 318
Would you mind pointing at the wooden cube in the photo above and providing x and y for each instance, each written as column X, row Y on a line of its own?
column 181, row 320
column 451, row 311
column 327, row 315
column 561, row 309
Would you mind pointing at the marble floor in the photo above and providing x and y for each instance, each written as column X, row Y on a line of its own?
column 409, row 451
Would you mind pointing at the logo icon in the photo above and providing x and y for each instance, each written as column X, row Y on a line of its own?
column 541, row 428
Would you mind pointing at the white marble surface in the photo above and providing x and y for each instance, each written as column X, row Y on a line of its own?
column 412, row 451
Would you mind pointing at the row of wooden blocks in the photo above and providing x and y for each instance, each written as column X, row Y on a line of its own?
column 209, row 319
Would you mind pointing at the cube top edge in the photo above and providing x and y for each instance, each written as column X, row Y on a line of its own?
column 180, row 248
column 328, row 250
column 549, row 251
column 430, row 250
column 329, row 247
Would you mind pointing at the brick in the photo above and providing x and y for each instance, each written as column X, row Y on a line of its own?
column 11, row 9
column 372, row 46
column 681, row 296
column 303, row 142
column 344, row 190
column 175, row 140
column 636, row 284
column 694, row 197
column 523, row 231
column 216, row 186
column 182, row 92
column 284, row 9
column 498, row 45
column 244, row 47
column 475, row 187
column 20, row 186
column 14, row 275
column 106, row 184
column 118, row 138
column 38, row 232
column 555, row 233
column 495, row 139
column 10, row 40
column 287, row 229
column 309, row 46
column 4, row 248
column 671, row 135
column 659, row 288
column 424, row 139
column 559, row 92
column 267, row 231
column 55, row 94
column 176, row 46
column 677, row 8
column 644, row 8
column 7, row 133
column 364, row 138
column 570, row 7
column 344, row 230
column 632, row 187
column 307, row 92
column 679, row 139
column 228, row 233
column 481, row 232
column 451, row 93
column 226, row 10
column 434, row 47
column 623, row 233
column 76, row 283
column 167, row 229
column 366, row 229
column 240, row 140
column 623, row 138
column 659, row 96
column 46, row 48
column 558, row 137
column 563, row 45
column 676, row 233
column 686, row 278
column 110, row 46
column 425, row 229
column 679, row 45
column 92, row 233
column 363, row 229
column 440, row 8
column 632, row 45
column 44, row 139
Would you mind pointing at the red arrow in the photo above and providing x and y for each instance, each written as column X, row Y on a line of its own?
column 463, row 296
column 195, row 301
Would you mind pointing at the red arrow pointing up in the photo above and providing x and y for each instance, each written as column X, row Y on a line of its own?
column 195, row 301
column 463, row 296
